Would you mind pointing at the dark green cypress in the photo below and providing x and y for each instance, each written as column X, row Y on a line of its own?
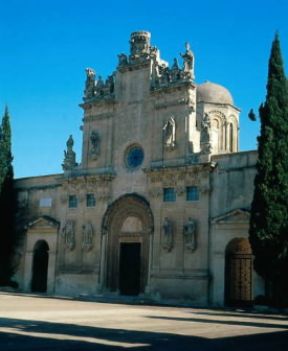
column 7, row 201
column 269, row 210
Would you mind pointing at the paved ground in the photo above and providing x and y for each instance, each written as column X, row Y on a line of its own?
column 41, row 323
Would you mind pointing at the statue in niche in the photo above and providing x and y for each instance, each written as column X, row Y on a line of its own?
column 205, row 138
column 68, row 233
column 155, row 73
column 188, row 59
column 169, row 134
column 167, row 235
column 90, row 83
column 123, row 60
column 205, row 126
column 69, row 155
column 87, row 237
column 94, row 145
column 189, row 233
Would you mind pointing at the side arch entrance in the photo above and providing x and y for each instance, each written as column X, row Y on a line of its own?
column 238, row 272
column 40, row 266
column 127, row 227
column 40, row 255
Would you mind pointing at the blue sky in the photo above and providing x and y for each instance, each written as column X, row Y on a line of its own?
column 47, row 44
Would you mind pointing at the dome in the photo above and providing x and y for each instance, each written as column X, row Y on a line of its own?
column 214, row 93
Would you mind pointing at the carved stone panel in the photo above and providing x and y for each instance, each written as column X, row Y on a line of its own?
column 68, row 234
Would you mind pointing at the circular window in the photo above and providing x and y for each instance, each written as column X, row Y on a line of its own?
column 134, row 156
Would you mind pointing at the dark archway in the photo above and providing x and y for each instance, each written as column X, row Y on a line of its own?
column 128, row 225
column 238, row 273
column 40, row 266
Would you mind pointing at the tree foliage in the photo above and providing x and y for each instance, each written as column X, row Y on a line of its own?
column 7, row 200
column 269, row 211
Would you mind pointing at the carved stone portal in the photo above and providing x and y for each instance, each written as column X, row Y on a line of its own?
column 128, row 220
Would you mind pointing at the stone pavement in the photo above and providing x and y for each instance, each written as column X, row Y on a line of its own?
column 43, row 323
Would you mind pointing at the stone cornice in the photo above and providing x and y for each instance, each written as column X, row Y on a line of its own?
column 176, row 102
column 98, row 100
column 207, row 166
column 171, row 88
column 38, row 187
column 98, row 117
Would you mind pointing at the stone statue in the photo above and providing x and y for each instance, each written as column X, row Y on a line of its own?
column 90, row 83
column 167, row 235
column 68, row 233
column 94, row 145
column 87, row 237
column 189, row 233
column 169, row 134
column 188, row 58
column 69, row 155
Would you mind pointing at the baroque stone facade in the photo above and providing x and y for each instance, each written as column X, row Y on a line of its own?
column 158, row 205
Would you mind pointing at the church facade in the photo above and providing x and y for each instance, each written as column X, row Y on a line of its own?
column 159, row 204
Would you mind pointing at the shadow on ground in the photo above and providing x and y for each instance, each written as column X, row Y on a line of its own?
column 226, row 322
column 16, row 334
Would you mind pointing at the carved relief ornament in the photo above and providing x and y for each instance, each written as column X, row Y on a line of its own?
column 68, row 233
column 167, row 235
column 87, row 237
column 189, row 234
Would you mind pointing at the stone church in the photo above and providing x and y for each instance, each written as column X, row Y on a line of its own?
column 159, row 204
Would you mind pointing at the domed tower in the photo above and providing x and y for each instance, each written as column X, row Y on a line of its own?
column 217, row 118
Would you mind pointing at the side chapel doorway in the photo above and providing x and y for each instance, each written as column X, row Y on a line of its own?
column 40, row 266
column 238, row 273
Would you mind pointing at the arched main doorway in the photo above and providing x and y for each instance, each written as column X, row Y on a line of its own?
column 40, row 266
column 128, row 225
column 238, row 272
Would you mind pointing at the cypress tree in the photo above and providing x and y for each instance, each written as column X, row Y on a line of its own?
column 269, row 210
column 7, row 198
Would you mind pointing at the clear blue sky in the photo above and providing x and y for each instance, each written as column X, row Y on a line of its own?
column 47, row 44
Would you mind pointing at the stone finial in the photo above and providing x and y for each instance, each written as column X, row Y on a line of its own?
column 69, row 162
column 175, row 64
